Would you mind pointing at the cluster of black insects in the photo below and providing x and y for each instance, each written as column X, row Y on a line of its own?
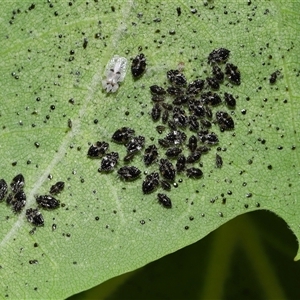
column 190, row 108
column 15, row 197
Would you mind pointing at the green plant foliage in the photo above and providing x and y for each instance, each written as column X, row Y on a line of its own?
column 53, row 107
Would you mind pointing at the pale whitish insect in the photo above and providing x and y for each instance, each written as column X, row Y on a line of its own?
column 115, row 72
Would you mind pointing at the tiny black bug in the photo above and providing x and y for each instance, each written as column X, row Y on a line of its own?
column 229, row 100
column 97, row 150
column 158, row 98
column 174, row 91
column 129, row 157
column 150, row 183
column 273, row 77
column 135, row 144
column 180, row 100
column 167, row 106
column 3, row 189
column 194, row 173
column 157, row 90
column 203, row 149
column 150, row 155
column 165, row 117
column 176, row 137
column 193, row 157
column 180, row 118
column 176, row 77
column 17, row 183
column 218, row 73
column 172, row 125
column 173, row 152
column 208, row 112
column 123, row 135
column 211, row 98
column 218, row 55
column 166, row 169
column 211, row 138
column 164, row 143
column 47, row 202
column 219, row 161
column 180, row 164
column 213, row 83
column 192, row 144
column 205, row 123
column 193, row 122
column 34, row 217
column 109, row 161
column 195, row 87
column 9, row 199
column 129, row 173
column 138, row 65
column 156, row 112
column 197, row 108
column 165, row 185
column 85, row 43
column 224, row 120
column 208, row 138
column 18, row 201
column 164, row 200
column 233, row 73
column 57, row 187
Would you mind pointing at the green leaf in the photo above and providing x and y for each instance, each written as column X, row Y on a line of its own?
column 50, row 81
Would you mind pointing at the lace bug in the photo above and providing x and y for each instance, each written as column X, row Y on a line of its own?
column 115, row 72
